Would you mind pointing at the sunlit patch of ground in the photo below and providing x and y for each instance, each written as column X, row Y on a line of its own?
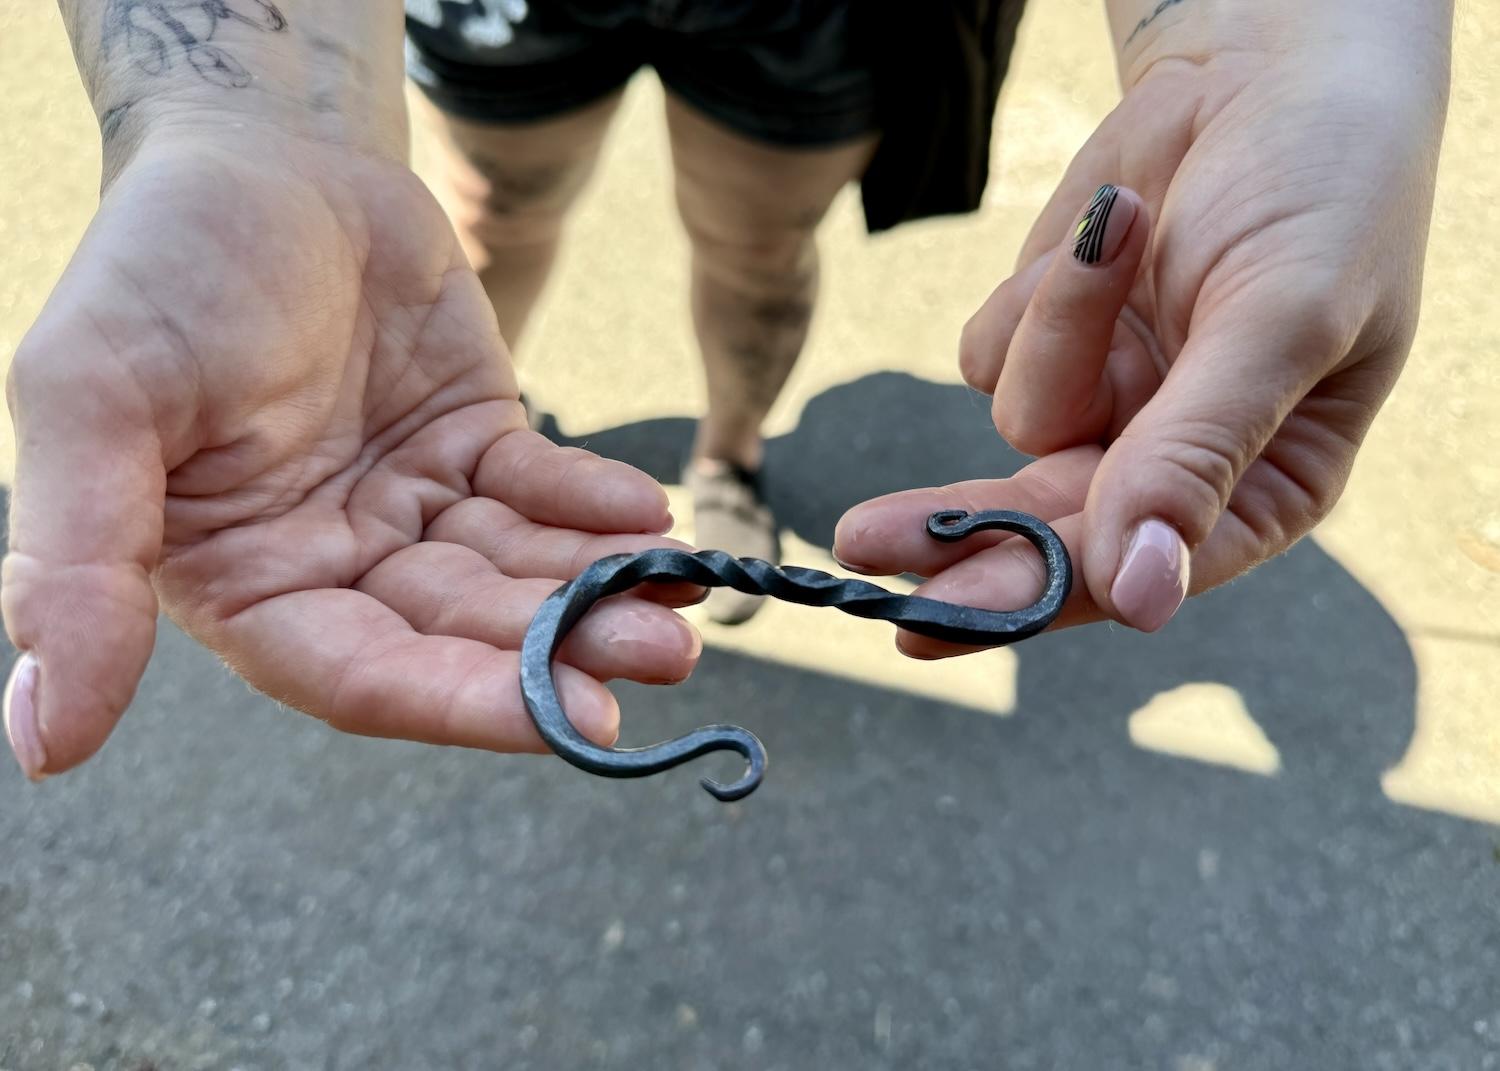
column 1206, row 722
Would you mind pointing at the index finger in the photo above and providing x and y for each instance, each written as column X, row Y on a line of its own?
column 888, row 535
column 1052, row 392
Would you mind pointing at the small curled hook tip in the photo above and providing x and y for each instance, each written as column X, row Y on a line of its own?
column 948, row 525
column 755, row 771
column 737, row 790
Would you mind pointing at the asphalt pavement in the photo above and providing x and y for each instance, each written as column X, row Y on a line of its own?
column 231, row 885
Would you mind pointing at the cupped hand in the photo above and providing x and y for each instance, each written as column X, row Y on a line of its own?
column 270, row 396
column 1195, row 375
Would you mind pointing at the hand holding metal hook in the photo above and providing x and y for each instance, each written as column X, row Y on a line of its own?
column 810, row 587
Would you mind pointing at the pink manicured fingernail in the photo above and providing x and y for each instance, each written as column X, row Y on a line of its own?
column 1153, row 577
column 1102, row 228
column 21, row 718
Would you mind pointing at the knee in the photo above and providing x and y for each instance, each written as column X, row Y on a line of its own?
column 773, row 258
column 504, row 205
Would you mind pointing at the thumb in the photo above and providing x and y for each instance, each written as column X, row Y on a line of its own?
column 85, row 533
column 1163, row 485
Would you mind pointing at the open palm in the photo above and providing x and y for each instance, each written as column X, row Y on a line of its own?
column 270, row 391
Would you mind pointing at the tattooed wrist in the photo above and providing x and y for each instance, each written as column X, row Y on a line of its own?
column 124, row 47
column 1149, row 31
column 160, row 36
column 322, row 70
column 1160, row 8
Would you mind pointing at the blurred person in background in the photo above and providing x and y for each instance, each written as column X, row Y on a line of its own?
column 270, row 397
column 772, row 107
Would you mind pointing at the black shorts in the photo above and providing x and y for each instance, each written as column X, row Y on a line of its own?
column 790, row 72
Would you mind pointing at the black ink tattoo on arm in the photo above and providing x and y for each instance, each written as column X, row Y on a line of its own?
column 1161, row 6
column 111, row 121
column 155, row 33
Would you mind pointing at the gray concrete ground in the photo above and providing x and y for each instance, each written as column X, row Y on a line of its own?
column 916, row 886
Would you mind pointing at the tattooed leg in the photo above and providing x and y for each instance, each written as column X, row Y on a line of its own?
column 508, row 188
column 751, row 212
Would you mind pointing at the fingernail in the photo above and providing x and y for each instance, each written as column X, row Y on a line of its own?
column 1153, row 577
column 591, row 708
column 1102, row 228
column 21, row 717
column 850, row 529
column 695, row 640
column 853, row 567
column 921, row 649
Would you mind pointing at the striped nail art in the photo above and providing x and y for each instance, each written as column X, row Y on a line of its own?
column 1088, row 239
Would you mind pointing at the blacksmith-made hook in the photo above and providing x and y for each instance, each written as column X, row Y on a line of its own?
column 714, row 568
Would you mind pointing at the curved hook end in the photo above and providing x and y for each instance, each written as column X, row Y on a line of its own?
column 736, row 790
column 755, row 772
column 948, row 525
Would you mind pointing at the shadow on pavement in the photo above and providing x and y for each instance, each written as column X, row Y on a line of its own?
column 916, row 886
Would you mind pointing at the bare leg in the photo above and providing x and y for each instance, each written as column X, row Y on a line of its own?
column 751, row 211
column 508, row 187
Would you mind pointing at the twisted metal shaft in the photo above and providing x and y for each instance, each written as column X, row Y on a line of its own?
column 809, row 587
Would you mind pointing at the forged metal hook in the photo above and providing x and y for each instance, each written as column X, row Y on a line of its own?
column 810, row 587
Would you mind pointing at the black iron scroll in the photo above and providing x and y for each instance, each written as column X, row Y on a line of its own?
column 810, row 587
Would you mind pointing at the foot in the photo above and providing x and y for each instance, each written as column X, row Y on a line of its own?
column 730, row 515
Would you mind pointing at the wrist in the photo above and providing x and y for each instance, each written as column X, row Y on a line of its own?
column 322, row 70
column 1394, row 35
column 152, row 117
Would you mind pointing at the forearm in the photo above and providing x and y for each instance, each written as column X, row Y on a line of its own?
column 1396, row 36
column 326, row 69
